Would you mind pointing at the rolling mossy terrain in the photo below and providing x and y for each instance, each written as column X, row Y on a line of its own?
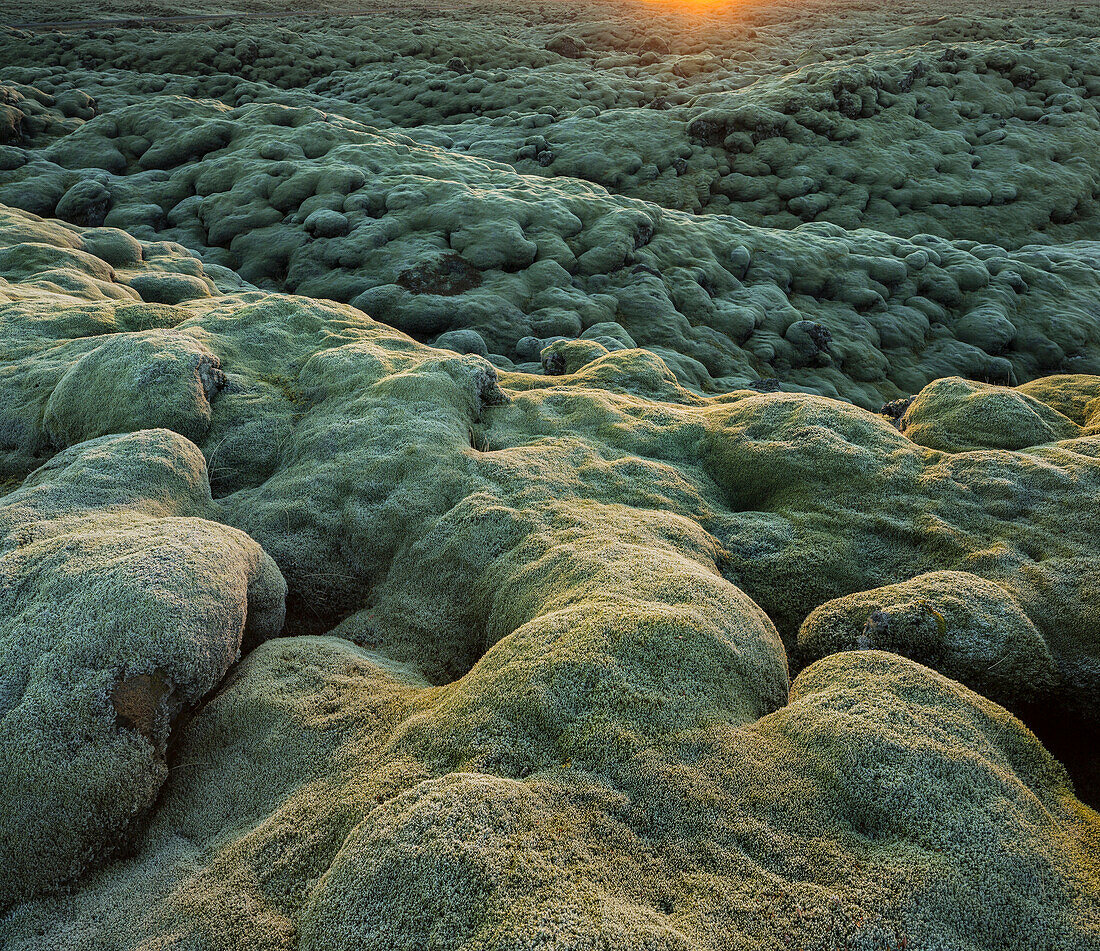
column 551, row 478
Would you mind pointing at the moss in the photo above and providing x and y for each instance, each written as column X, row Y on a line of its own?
column 972, row 630
column 287, row 389
column 1074, row 396
column 796, row 234
column 956, row 415
column 557, row 559
column 136, row 380
column 112, row 576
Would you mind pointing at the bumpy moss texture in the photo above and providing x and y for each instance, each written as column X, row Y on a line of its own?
column 551, row 705
column 616, row 608
column 121, row 607
column 697, row 189
column 954, row 621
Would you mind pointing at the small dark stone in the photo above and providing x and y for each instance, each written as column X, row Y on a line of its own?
column 565, row 46
column 819, row 335
column 488, row 388
column 766, row 385
column 919, row 70
column 447, row 275
column 895, row 409
column 876, row 628
column 553, row 364
column 707, row 131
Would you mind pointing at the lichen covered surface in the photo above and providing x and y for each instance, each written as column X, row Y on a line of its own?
column 423, row 525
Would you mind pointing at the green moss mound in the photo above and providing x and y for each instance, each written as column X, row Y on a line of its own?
column 970, row 629
column 956, row 415
column 1071, row 395
column 142, row 379
column 122, row 606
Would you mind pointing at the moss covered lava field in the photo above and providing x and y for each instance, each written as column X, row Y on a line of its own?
column 564, row 477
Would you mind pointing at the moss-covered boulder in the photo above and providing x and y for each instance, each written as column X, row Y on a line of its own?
column 961, row 625
column 85, row 203
column 121, row 606
column 1075, row 396
column 955, row 415
column 134, row 381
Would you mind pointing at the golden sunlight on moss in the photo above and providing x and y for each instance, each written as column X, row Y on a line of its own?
column 550, row 476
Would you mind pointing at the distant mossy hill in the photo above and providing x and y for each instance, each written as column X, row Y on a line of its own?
column 783, row 194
